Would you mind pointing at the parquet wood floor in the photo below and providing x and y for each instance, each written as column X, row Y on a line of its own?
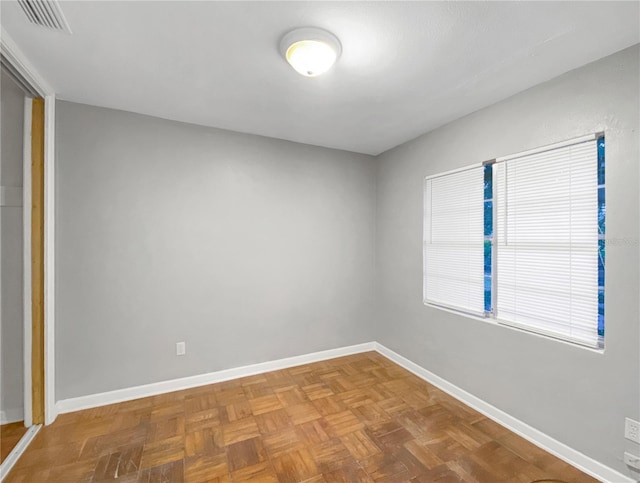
column 359, row 418
column 10, row 434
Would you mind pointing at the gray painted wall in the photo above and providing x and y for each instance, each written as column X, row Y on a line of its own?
column 249, row 249
column 11, row 364
column 575, row 395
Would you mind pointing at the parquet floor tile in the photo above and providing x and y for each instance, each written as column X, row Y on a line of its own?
column 330, row 455
column 359, row 418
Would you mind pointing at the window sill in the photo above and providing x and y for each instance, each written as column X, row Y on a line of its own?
column 507, row 325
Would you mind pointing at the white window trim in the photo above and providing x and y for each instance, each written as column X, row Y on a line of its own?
column 549, row 147
column 452, row 171
column 507, row 325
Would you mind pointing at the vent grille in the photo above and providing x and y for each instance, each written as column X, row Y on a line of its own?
column 46, row 13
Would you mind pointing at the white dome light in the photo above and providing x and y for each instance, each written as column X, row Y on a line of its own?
column 310, row 51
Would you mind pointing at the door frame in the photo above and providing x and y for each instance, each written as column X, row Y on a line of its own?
column 37, row 85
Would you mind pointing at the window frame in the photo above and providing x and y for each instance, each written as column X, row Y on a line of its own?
column 490, row 316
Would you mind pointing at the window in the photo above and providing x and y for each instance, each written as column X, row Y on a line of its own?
column 521, row 240
column 453, row 241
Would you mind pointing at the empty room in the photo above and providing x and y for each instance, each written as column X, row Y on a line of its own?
column 320, row 241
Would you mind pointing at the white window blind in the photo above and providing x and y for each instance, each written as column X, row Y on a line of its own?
column 453, row 240
column 546, row 236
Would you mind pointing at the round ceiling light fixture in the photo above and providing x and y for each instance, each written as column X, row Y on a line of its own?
column 311, row 51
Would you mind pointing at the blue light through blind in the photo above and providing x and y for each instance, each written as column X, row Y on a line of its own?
column 602, row 210
column 488, row 234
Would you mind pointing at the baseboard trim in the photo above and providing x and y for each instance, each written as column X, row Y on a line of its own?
column 575, row 458
column 11, row 415
column 130, row 393
column 16, row 452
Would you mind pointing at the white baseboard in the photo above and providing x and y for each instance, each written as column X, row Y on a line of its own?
column 575, row 458
column 16, row 452
column 121, row 395
column 11, row 415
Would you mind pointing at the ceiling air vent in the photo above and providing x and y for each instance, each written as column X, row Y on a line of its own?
column 46, row 13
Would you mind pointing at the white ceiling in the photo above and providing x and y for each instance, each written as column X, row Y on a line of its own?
column 406, row 68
